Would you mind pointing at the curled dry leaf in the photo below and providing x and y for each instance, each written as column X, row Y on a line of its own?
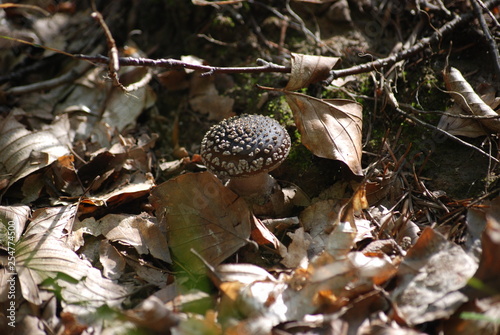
column 471, row 103
column 329, row 128
column 201, row 214
column 262, row 235
column 308, row 69
column 23, row 152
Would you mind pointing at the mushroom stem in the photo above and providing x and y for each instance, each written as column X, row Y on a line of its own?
column 261, row 183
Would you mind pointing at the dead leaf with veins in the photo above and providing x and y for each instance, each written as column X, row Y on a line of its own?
column 203, row 215
column 23, row 152
column 329, row 128
column 434, row 270
column 469, row 102
column 308, row 69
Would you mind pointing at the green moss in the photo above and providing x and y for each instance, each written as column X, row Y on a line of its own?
column 222, row 21
column 299, row 158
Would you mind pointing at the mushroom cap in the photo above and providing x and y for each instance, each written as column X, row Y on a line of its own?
column 244, row 145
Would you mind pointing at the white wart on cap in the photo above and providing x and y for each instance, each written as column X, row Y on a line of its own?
column 245, row 145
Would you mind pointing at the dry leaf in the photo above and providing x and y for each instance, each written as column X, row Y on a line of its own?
column 201, row 214
column 23, row 152
column 262, row 235
column 113, row 263
column 296, row 253
column 460, row 126
column 469, row 100
column 204, row 98
column 123, row 108
column 429, row 279
column 42, row 256
column 242, row 273
column 485, row 281
column 138, row 231
column 329, row 128
column 151, row 313
column 58, row 220
column 308, row 69
column 12, row 219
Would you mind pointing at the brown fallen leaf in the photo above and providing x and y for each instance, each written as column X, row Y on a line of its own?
column 308, row 69
column 430, row 277
column 262, row 235
column 204, row 98
column 201, row 214
column 470, row 103
column 485, row 281
column 152, row 314
column 329, row 128
column 23, row 152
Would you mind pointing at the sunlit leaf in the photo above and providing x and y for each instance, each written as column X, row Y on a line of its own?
column 308, row 69
column 12, row 222
column 203, row 215
column 23, row 152
column 329, row 128
column 434, row 270
column 470, row 103
column 42, row 256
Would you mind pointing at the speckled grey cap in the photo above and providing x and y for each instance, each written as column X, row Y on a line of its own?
column 244, row 145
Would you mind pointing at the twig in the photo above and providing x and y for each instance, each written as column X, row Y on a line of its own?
column 113, row 64
column 51, row 83
column 421, row 45
column 270, row 67
column 174, row 63
column 491, row 41
column 434, row 128
column 420, row 111
column 490, row 14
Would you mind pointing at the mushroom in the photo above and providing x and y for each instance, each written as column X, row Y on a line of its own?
column 245, row 149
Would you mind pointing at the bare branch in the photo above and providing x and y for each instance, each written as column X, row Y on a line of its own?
column 453, row 137
column 177, row 64
column 420, row 46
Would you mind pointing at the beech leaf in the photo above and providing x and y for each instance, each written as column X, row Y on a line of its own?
column 203, row 215
column 308, row 69
column 434, row 270
column 329, row 128
column 470, row 102
column 23, row 152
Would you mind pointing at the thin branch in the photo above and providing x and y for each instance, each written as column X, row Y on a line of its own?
column 270, row 67
column 453, row 137
column 420, row 46
column 177, row 64
column 489, row 38
column 421, row 111
column 113, row 63
column 67, row 77
column 490, row 14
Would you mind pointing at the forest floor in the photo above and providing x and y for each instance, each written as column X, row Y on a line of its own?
column 383, row 219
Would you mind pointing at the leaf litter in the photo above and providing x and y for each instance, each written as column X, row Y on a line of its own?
column 120, row 251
